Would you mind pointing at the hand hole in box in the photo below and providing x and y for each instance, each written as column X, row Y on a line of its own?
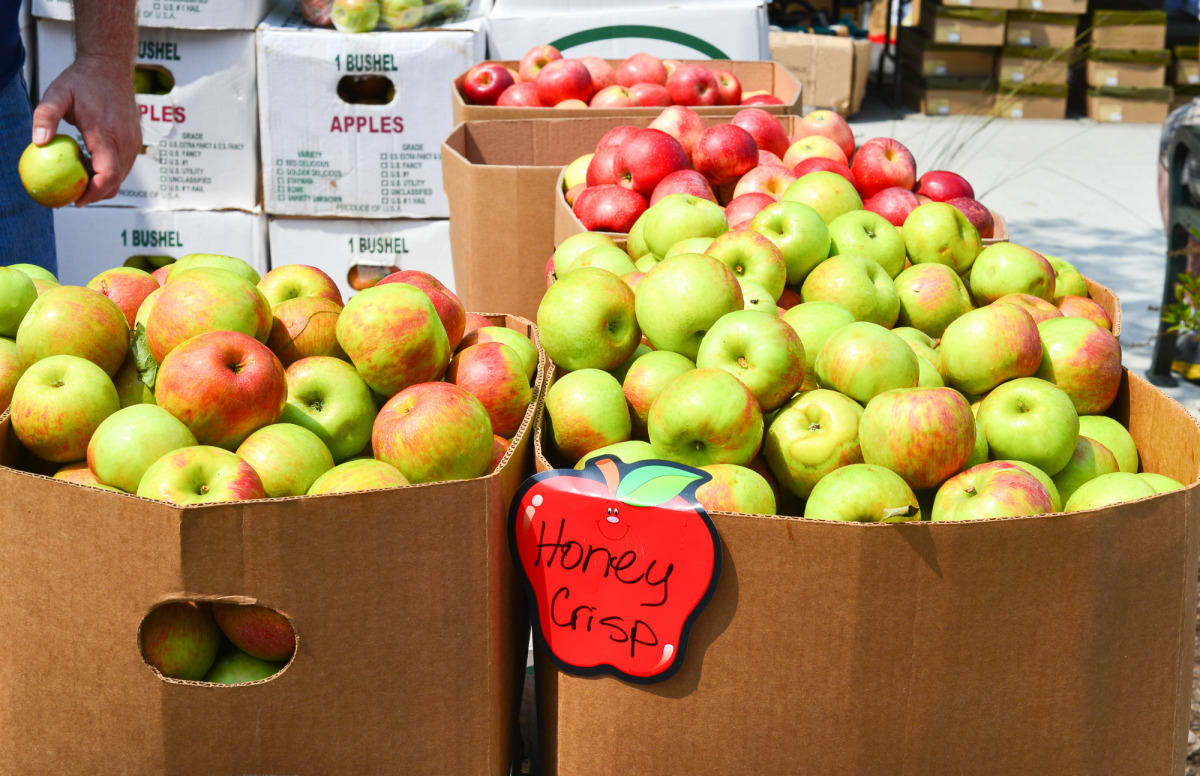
column 152, row 79
column 363, row 276
column 366, row 89
column 148, row 263
column 216, row 642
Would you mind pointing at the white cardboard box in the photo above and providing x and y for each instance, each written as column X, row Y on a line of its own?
column 93, row 239
column 338, row 245
column 323, row 156
column 693, row 29
column 186, row 14
column 201, row 138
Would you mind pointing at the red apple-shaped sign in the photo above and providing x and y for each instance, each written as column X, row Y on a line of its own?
column 619, row 560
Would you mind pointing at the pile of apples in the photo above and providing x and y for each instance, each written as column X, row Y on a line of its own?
column 357, row 16
column 821, row 361
column 221, row 643
column 544, row 79
column 750, row 163
column 203, row 382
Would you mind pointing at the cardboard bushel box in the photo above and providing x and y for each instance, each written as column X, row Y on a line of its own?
column 832, row 70
column 1033, row 29
column 963, row 26
column 1004, row 5
column 1129, row 105
column 926, row 58
column 411, row 627
column 1032, row 66
column 177, row 14
column 1187, row 66
column 1032, row 101
column 1142, row 30
column 1141, row 69
column 948, row 96
column 1184, row 95
column 1054, row 6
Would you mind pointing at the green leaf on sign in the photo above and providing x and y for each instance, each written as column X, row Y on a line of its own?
column 143, row 360
column 650, row 486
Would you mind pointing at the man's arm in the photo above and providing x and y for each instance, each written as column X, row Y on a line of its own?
column 96, row 94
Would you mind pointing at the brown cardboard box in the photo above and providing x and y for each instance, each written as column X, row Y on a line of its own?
column 411, row 630
column 832, row 70
column 1123, row 104
column 1032, row 101
column 1115, row 67
column 1129, row 29
column 950, row 96
column 1054, row 6
column 963, row 26
column 1184, row 95
column 770, row 76
column 1020, row 66
column 921, row 55
column 1009, row 5
column 1041, row 30
column 1187, row 66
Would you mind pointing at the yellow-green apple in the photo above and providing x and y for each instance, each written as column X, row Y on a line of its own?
column 1039, row 309
column 680, row 216
column 943, row 185
column 750, row 255
column 814, row 434
column 1160, row 482
column 826, row 192
column 587, row 319
column 147, row 306
column 1114, row 436
column 433, row 432
column 205, row 300
column 237, row 667
column 743, row 208
column 213, row 261
column 58, row 403
column 992, row 489
column 292, row 281
column 1083, row 360
column 484, row 83
column 1082, row 307
column 628, row 452
column 800, row 234
column 223, row 385
column 1032, row 420
column 769, row 179
column 766, row 130
column 358, row 475
column 53, row 174
column 1107, row 490
column 692, row 245
column 74, row 321
column 893, row 203
column 984, row 347
column 811, row 146
column 681, row 123
column 926, row 435
column 1055, row 500
column 199, row 475
column 938, row 233
column 706, row 416
column 928, row 375
column 17, row 294
column 646, row 157
column 828, row 124
column 932, row 296
column 759, row 349
column 645, row 380
column 329, row 398
column 736, row 488
column 521, row 344
column 814, row 322
column 868, row 234
column 575, row 246
column 608, row 208
column 576, row 172
column 647, row 263
column 128, row 441
column 862, row 493
column 394, row 337
column 864, row 359
column 729, row 88
column 287, row 458
column 493, row 373
column 564, row 79
column 724, row 153
column 34, row 272
column 256, row 630
column 614, row 96
column 915, row 337
column 126, row 287
column 683, row 182
column 303, row 327
column 856, row 283
column 10, row 371
column 606, row 257
column 681, row 298
column 691, row 84
column 1067, row 280
column 641, row 68
column 882, row 163
column 755, row 297
column 1007, row 268
column 128, row 382
column 822, row 163
column 180, row 639
column 651, row 95
column 80, row 474
column 1089, row 460
column 587, row 411
column 621, row 371
column 603, row 75
column 355, row 16
column 520, row 95
column 534, row 60
column 977, row 213
column 449, row 307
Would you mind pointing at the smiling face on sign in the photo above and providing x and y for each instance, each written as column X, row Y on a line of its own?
column 619, row 560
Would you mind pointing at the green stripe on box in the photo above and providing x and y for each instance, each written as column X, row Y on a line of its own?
column 1127, row 18
column 1156, row 94
column 977, row 14
column 1062, row 19
column 1037, row 90
column 617, row 31
column 1187, row 52
column 1146, row 57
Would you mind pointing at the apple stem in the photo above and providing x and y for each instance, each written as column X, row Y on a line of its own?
column 904, row 511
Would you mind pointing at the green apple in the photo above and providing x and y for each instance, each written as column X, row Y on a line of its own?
column 215, row 261
column 815, row 322
column 586, row 320
column 862, row 493
column 690, row 245
column 608, row 257
column 867, row 234
column 984, row 347
column 798, row 232
column 646, row 379
column 706, row 416
column 575, row 246
column 17, row 294
column 180, row 639
column 635, row 244
column 1039, row 475
column 1007, row 268
column 937, row 233
column 356, row 475
column 1107, row 490
column 587, row 411
column 288, row 458
column 814, row 434
column 58, row 403
column 993, row 489
column 680, row 299
column 1090, row 460
column 1114, row 436
column 828, row 193
column 927, row 375
column 1028, row 419
column 677, row 217
column 755, row 297
column 1083, row 359
column 128, row 441
column 198, row 475
column 576, row 172
column 915, row 337
column 759, row 349
column 34, row 272
column 980, row 453
column 863, row 359
column 10, row 371
column 239, row 668
column 647, row 262
column 926, row 435
column 856, row 283
column 328, row 397
column 736, row 489
column 631, row 451
column 621, row 371
column 355, row 16
column 1161, row 483
column 1067, row 280
column 751, row 257
column 932, row 296
column 53, row 174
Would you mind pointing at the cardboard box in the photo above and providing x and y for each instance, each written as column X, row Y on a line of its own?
column 323, row 156
column 832, row 70
column 1184, row 95
column 1007, row 5
column 945, row 96
column 718, row 29
column 93, row 239
column 963, row 26
column 1129, row 105
column 1187, row 66
column 351, row 249
column 1054, row 6
column 1041, row 30
column 1032, row 101
column 177, row 14
column 924, row 57
column 769, row 76
column 1019, row 66
column 1129, row 29
column 201, row 137
column 411, row 627
column 1115, row 67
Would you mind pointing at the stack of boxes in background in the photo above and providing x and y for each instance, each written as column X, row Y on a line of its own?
column 1033, row 70
column 949, row 56
column 1185, row 74
column 1127, row 67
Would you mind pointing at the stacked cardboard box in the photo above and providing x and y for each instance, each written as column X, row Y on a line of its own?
column 1127, row 67
column 1185, row 76
column 949, row 58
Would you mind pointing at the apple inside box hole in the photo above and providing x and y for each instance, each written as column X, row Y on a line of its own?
column 366, row 89
column 152, row 79
column 216, row 642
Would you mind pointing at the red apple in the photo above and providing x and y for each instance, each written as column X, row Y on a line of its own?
column 892, row 203
column 484, row 83
column 493, row 373
column 729, row 88
column 646, row 158
column 977, row 213
column 683, row 182
column 761, row 99
column 603, row 167
column 641, row 69
column 766, row 157
column 1082, row 307
column 609, row 208
column 603, row 75
column 818, row 163
column 476, row 321
column 522, row 95
column 745, row 207
column 614, row 96
column 534, row 60
column 831, row 125
column 789, row 299
column 724, row 153
column 693, row 85
column 766, row 130
column 681, row 123
column 256, row 630
column 650, row 95
column 499, row 450
column 771, row 180
column 449, row 307
column 433, row 432
column 126, row 287
column 882, row 163
column 564, row 79
column 614, row 137
column 943, row 186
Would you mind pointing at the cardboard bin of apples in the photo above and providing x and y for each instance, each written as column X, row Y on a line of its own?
column 637, row 85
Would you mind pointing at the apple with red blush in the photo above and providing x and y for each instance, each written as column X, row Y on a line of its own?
column 534, row 60
column 977, row 213
column 484, row 83
column 693, row 85
column 724, row 153
column 651, row 95
column 881, row 163
column 743, row 208
column 614, row 96
column 608, row 208
column 893, row 203
column 563, row 80
column 823, row 164
column 828, row 124
column 729, row 88
column 943, row 186
column 766, row 130
column 520, row 95
column 681, row 123
column 683, row 182
column 603, row 74
column 641, row 69
column 648, row 156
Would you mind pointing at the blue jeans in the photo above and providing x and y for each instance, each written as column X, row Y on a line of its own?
column 26, row 228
